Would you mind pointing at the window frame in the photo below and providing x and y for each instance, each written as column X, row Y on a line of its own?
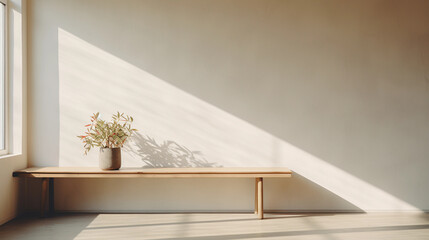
column 5, row 151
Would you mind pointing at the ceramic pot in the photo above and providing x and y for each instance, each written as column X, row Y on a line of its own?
column 110, row 158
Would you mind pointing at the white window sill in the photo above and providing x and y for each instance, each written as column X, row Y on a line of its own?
column 9, row 155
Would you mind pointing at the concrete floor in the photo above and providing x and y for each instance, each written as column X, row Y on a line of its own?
column 220, row 226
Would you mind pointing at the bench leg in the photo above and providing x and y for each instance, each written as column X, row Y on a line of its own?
column 256, row 196
column 51, row 197
column 43, row 197
column 260, row 198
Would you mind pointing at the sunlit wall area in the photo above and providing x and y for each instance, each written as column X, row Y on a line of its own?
column 94, row 80
column 337, row 91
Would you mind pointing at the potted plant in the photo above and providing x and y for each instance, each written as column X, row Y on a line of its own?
column 109, row 137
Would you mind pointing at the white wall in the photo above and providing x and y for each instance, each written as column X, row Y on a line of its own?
column 337, row 91
column 11, row 194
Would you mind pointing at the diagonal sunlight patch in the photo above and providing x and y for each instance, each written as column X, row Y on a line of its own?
column 93, row 80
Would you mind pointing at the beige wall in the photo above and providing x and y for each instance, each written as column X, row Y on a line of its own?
column 11, row 194
column 336, row 90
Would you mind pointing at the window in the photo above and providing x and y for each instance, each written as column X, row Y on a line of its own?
column 3, row 81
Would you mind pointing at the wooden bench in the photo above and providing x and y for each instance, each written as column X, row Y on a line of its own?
column 48, row 174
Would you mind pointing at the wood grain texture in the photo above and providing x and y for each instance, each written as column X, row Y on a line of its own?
column 93, row 172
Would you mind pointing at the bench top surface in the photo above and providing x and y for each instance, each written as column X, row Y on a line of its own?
column 152, row 172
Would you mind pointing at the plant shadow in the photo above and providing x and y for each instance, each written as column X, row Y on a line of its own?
column 166, row 154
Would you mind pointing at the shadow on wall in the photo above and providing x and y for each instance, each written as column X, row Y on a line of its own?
column 166, row 154
column 311, row 196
